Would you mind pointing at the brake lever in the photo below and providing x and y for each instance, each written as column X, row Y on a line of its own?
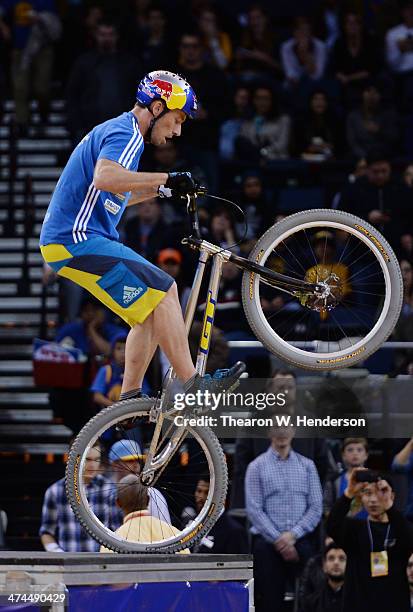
column 200, row 190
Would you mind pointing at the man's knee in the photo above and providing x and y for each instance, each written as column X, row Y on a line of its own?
column 173, row 288
column 171, row 294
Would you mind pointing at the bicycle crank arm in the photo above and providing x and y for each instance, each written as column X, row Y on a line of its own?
column 154, row 465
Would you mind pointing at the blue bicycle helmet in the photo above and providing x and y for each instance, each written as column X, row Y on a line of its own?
column 169, row 87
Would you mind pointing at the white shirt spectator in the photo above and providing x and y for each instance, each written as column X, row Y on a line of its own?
column 397, row 60
column 293, row 69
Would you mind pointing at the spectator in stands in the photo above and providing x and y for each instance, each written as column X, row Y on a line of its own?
column 155, row 47
column 93, row 334
column 60, row 530
column 284, row 505
column 327, row 21
column 399, row 54
column 354, row 59
column 256, row 57
column 312, row 578
column 330, row 596
column 303, row 56
column 354, row 453
column 317, row 133
column 138, row 524
column 249, row 448
column 408, row 175
column 213, row 97
column 101, row 84
column 125, row 457
column 230, row 129
column 377, row 549
column 222, row 229
column 227, row 536
column 217, row 44
column 407, row 275
column 254, row 204
column 372, row 126
column 108, row 380
column 265, row 137
column 403, row 464
column 79, row 23
column 3, row 529
column 409, row 572
column 138, row 18
column 35, row 27
column 380, row 198
column 360, row 169
column 167, row 158
column 145, row 232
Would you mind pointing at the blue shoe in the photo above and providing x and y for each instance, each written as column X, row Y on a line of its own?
column 222, row 381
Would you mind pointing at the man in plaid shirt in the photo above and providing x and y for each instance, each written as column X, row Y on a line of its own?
column 60, row 530
column 284, row 505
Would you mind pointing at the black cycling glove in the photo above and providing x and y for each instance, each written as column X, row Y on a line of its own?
column 179, row 184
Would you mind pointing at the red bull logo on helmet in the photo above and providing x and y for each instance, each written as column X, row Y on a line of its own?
column 163, row 88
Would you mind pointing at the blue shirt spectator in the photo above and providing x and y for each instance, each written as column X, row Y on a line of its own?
column 108, row 380
column 59, row 521
column 283, row 494
column 60, row 529
column 106, row 387
column 284, row 504
column 93, row 335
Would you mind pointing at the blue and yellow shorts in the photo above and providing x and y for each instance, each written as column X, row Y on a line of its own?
column 124, row 281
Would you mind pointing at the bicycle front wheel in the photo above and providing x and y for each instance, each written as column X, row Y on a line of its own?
column 363, row 282
column 175, row 517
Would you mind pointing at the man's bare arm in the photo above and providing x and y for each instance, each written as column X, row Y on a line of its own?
column 142, row 195
column 111, row 176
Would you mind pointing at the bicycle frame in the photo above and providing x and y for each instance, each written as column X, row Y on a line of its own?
column 220, row 256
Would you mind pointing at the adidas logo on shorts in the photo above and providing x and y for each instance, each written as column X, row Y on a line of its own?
column 129, row 293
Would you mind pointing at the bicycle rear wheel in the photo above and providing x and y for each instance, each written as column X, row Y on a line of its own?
column 172, row 496
column 357, row 264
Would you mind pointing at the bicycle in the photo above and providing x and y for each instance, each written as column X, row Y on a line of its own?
column 342, row 309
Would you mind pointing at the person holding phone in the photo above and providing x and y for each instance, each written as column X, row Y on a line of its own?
column 377, row 548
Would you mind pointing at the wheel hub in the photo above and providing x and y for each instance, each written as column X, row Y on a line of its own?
column 327, row 295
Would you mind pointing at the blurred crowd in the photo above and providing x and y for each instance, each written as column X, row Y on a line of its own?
column 324, row 539
column 299, row 107
column 315, row 95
